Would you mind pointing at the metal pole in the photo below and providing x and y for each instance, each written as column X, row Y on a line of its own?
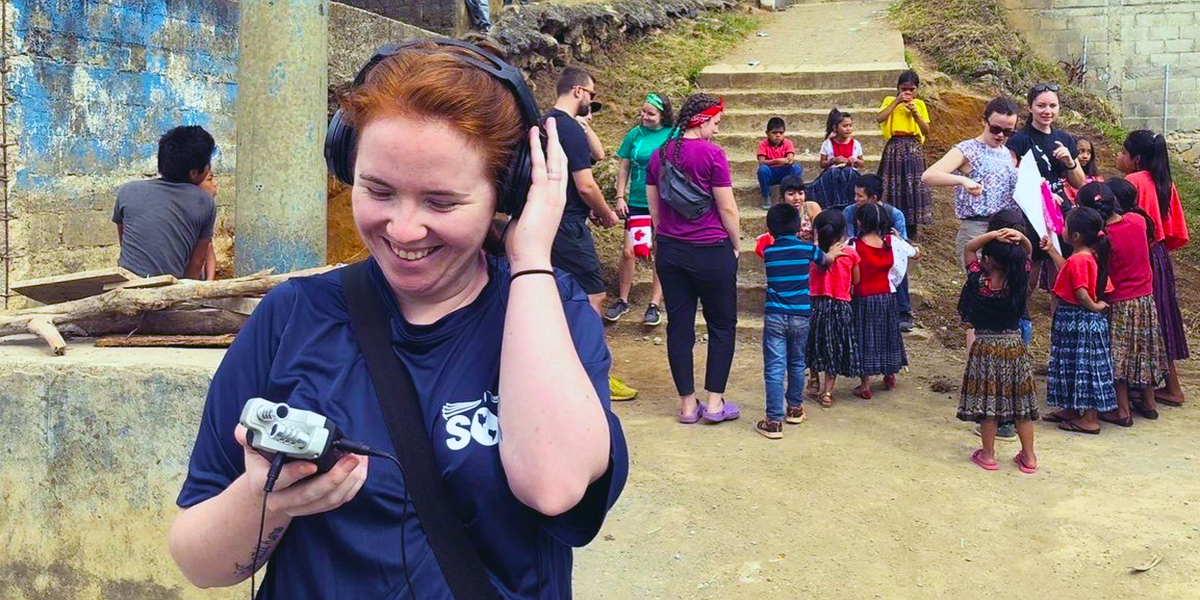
column 283, row 56
column 1166, row 88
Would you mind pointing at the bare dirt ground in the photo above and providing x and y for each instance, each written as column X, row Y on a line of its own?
column 877, row 499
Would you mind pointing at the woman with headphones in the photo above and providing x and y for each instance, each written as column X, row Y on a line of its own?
column 435, row 137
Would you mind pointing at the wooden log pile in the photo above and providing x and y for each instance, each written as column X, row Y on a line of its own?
column 188, row 308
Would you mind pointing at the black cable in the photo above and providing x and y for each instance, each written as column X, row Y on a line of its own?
column 365, row 450
column 272, row 477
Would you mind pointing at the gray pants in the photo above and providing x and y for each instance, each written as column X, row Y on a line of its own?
column 481, row 14
column 967, row 230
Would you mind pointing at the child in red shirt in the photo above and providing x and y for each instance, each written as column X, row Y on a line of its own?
column 1139, row 361
column 832, row 346
column 776, row 159
column 1080, row 376
column 876, row 315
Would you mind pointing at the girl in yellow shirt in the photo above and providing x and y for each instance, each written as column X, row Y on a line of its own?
column 905, row 122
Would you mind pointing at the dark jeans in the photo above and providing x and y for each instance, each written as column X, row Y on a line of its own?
column 903, row 302
column 784, row 337
column 709, row 274
column 769, row 176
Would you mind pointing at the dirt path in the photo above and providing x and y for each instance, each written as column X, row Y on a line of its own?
column 877, row 499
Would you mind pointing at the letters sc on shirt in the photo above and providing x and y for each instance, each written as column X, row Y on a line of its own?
column 474, row 420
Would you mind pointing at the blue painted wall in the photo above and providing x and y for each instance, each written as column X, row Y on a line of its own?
column 93, row 85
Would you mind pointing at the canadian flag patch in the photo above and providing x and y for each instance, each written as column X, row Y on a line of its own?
column 640, row 235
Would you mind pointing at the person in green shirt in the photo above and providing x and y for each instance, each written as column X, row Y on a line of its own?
column 635, row 151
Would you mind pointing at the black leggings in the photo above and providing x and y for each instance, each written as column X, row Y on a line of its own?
column 709, row 274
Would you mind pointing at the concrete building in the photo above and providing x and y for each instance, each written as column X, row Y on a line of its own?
column 1129, row 47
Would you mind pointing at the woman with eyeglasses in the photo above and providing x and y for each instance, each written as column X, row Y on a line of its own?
column 983, row 170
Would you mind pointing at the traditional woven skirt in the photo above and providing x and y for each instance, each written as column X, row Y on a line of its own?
column 1080, row 375
column 901, row 166
column 998, row 381
column 880, row 343
column 1170, row 320
column 1137, row 351
column 832, row 346
column 834, row 188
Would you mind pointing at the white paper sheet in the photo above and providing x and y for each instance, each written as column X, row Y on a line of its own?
column 1028, row 195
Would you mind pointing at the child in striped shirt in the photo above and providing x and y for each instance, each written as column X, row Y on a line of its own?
column 785, row 324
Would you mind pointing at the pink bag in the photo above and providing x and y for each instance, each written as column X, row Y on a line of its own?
column 640, row 235
column 1052, row 211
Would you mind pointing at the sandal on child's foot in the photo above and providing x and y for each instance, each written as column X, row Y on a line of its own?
column 1023, row 464
column 813, row 388
column 826, row 400
column 864, row 393
column 889, row 382
column 1111, row 417
column 977, row 458
column 795, row 415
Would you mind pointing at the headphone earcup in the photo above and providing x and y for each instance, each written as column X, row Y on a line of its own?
column 516, row 183
column 339, row 149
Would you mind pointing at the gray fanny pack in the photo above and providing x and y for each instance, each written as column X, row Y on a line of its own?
column 682, row 195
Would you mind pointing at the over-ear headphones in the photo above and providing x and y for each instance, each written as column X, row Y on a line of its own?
column 514, row 181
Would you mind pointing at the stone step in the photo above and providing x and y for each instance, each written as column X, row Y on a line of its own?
column 750, row 299
column 631, row 324
column 755, row 119
column 808, row 142
column 784, row 99
column 799, row 77
column 745, row 166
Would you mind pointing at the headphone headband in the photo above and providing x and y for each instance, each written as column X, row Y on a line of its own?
column 513, row 187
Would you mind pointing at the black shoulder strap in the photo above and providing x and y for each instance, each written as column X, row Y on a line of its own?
column 455, row 554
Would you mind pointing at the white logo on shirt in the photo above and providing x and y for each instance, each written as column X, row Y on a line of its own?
column 482, row 425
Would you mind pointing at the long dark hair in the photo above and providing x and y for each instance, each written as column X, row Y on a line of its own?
column 694, row 105
column 872, row 218
column 1089, row 225
column 1012, row 260
column 1126, row 196
column 1100, row 197
column 830, row 226
column 1149, row 151
column 835, row 118
column 1089, row 167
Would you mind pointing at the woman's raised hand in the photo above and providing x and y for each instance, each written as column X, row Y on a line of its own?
column 295, row 493
column 1063, row 154
column 975, row 188
column 531, row 236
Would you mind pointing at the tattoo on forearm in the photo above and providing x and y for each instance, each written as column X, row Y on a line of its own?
column 260, row 553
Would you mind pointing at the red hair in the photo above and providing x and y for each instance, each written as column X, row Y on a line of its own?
column 428, row 82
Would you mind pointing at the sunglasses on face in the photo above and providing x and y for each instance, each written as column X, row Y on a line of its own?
column 999, row 131
column 591, row 92
column 1045, row 87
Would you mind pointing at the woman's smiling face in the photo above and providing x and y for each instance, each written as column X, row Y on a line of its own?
column 423, row 203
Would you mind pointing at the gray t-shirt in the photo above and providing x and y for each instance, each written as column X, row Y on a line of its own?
column 162, row 221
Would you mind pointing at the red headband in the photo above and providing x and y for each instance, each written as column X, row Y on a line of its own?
column 705, row 115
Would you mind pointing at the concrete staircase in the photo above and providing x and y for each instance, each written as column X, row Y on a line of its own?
column 789, row 74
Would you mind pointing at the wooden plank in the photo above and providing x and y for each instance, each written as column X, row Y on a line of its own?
column 162, row 341
column 143, row 282
column 72, row 286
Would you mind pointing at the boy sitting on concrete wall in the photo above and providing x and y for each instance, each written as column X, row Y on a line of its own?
column 166, row 225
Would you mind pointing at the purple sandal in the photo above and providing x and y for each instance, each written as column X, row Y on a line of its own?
column 728, row 412
column 692, row 418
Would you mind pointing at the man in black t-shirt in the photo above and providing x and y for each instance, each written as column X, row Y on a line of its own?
column 574, row 249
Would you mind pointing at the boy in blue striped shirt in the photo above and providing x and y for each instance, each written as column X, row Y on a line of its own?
column 785, row 324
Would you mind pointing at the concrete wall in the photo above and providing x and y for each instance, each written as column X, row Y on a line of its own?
column 1129, row 42
column 95, row 83
column 95, row 448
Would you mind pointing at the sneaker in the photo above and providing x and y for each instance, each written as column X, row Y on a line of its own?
column 795, row 415
column 766, row 203
column 770, row 429
column 1006, row 432
column 906, row 323
column 653, row 316
column 614, row 312
column 619, row 391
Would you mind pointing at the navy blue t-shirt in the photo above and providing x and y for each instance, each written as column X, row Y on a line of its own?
column 299, row 348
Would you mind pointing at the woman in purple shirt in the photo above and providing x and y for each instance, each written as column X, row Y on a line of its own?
column 697, row 259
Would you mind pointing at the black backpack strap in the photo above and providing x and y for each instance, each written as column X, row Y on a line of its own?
column 455, row 554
